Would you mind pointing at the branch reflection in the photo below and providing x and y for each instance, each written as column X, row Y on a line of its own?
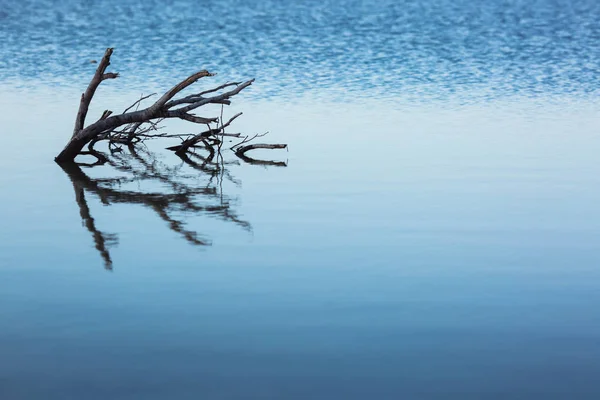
column 194, row 187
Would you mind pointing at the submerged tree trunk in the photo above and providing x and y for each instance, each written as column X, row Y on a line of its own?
column 71, row 150
column 131, row 127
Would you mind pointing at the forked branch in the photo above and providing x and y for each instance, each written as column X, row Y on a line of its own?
column 134, row 125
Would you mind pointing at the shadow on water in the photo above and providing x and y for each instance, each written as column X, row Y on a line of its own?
column 172, row 192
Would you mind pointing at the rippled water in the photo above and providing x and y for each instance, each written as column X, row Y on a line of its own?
column 413, row 49
column 432, row 235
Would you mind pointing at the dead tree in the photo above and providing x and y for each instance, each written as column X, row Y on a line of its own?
column 135, row 125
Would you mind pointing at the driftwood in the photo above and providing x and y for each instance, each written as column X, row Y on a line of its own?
column 180, row 194
column 135, row 125
column 241, row 153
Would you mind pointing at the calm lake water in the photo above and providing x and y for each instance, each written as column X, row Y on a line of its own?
column 434, row 235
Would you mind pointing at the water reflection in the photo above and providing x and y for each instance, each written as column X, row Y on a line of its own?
column 170, row 191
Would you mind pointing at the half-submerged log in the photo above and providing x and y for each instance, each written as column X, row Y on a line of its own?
column 135, row 125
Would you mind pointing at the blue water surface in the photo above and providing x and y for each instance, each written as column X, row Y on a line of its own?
column 433, row 235
column 390, row 48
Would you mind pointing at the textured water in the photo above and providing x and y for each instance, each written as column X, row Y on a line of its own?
column 434, row 234
column 415, row 49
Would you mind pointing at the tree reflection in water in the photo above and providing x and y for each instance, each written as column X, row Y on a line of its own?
column 170, row 191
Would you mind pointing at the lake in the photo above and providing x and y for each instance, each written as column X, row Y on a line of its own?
column 431, row 232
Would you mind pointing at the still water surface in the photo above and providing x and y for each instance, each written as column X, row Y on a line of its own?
column 434, row 234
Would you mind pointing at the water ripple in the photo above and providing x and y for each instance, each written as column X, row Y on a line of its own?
column 434, row 49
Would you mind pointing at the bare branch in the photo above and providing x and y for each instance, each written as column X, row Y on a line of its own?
column 248, row 139
column 110, row 75
column 178, row 88
column 193, row 98
column 242, row 150
column 106, row 114
column 223, row 86
column 183, row 147
column 134, row 126
column 216, row 99
column 86, row 97
column 190, row 117
column 137, row 103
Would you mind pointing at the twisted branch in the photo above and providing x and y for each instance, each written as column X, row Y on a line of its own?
column 126, row 128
